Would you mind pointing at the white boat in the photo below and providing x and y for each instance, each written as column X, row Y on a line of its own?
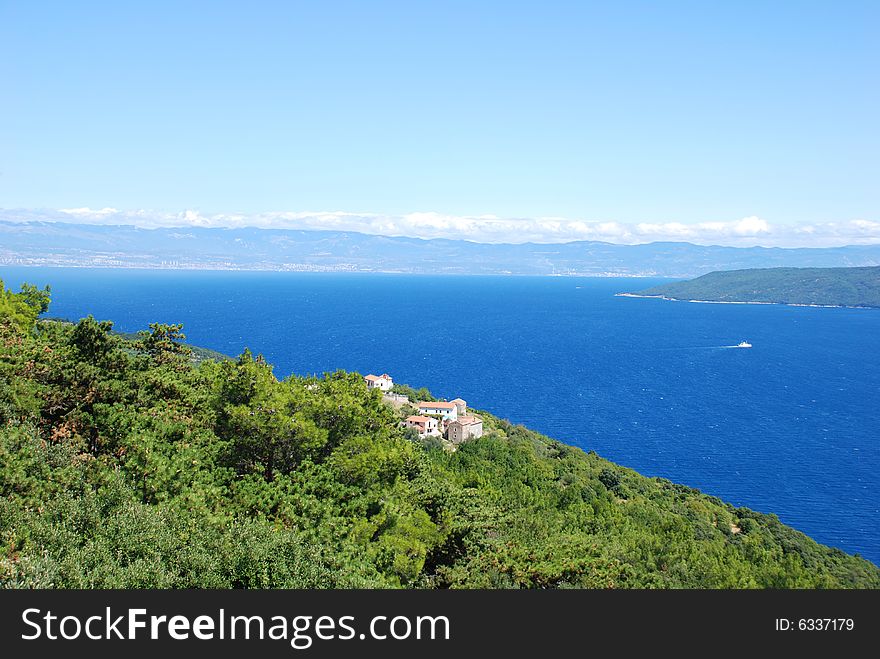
column 743, row 344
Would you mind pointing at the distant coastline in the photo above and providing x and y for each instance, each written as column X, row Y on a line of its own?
column 784, row 304
column 302, row 268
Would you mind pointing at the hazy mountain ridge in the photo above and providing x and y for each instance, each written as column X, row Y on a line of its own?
column 54, row 243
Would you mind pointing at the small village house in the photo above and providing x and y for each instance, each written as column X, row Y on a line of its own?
column 425, row 425
column 381, row 382
column 446, row 411
column 464, row 428
column 460, row 405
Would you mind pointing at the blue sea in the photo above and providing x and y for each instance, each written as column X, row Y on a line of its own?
column 791, row 426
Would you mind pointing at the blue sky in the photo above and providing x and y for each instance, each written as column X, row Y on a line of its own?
column 495, row 120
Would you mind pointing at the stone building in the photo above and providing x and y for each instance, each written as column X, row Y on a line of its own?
column 464, row 428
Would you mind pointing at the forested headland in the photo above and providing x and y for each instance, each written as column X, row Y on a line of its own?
column 126, row 462
column 843, row 287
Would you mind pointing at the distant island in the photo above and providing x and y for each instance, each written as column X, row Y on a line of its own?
column 827, row 287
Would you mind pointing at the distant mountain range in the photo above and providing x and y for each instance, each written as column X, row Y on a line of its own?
column 62, row 244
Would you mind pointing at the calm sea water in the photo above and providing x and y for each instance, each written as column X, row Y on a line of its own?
column 791, row 426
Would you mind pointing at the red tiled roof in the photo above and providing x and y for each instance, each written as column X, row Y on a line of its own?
column 458, row 400
column 439, row 406
column 469, row 420
column 418, row 419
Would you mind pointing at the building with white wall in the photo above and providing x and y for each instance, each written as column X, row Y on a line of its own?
column 381, row 382
column 425, row 425
column 446, row 411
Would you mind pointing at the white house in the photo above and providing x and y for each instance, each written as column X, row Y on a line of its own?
column 464, row 428
column 425, row 425
column 446, row 411
column 461, row 406
column 381, row 382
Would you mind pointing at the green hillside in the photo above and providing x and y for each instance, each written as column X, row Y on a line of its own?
column 124, row 464
column 850, row 287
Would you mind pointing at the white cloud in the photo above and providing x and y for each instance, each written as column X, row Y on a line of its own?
column 751, row 226
column 746, row 231
column 747, row 227
column 89, row 213
column 867, row 226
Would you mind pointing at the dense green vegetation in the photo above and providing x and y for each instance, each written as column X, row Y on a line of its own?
column 197, row 353
column 415, row 395
column 124, row 464
column 850, row 287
